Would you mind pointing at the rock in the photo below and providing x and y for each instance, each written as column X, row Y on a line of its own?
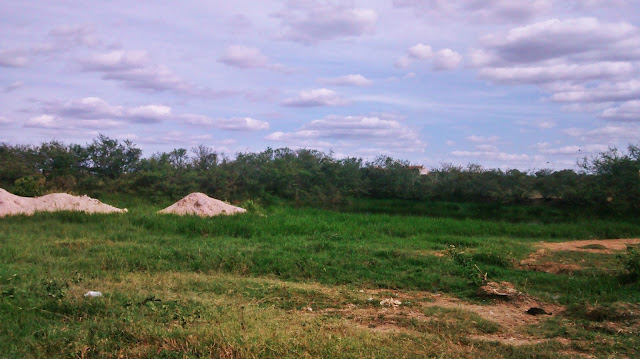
column 502, row 290
column 92, row 294
column 390, row 302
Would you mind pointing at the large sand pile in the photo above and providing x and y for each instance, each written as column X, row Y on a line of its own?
column 202, row 205
column 10, row 204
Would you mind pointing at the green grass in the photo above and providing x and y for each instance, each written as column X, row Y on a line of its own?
column 235, row 286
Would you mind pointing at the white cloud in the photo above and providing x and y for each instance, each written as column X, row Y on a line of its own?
column 561, row 72
column 13, row 58
column 492, row 155
column 479, row 10
column 575, row 150
column 4, row 121
column 348, row 80
column 43, row 121
column 446, row 59
column 608, row 91
column 149, row 113
column 580, row 61
column 13, row 86
column 610, row 134
column 310, row 23
column 116, row 60
column 95, row 108
column 353, row 131
column 558, row 38
column 314, row 98
column 483, row 139
column 230, row 124
column 627, row 111
column 420, row 51
column 244, row 57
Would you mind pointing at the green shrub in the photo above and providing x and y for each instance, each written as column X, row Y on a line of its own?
column 30, row 186
column 631, row 264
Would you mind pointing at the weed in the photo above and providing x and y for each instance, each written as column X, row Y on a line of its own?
column 471, row 271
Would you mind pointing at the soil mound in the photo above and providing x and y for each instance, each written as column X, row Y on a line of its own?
column 10, row 204
column 202, row 205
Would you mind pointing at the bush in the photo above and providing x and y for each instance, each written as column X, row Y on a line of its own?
column 30, row 186
column 631, row 264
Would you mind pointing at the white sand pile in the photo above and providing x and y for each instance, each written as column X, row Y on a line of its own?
column 10, row 204
column 202, row 205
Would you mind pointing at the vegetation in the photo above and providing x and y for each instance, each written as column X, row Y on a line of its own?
column 239, row 286
column 606, row 183
column 303, row 273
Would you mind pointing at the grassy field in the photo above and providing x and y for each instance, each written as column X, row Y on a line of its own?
column 304, row 282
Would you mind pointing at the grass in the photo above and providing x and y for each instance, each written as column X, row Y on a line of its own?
column 239, row 286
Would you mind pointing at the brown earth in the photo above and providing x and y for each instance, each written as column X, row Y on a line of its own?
column 10, row 204
column 201, row 205
column 510, row 315
column 536, row 261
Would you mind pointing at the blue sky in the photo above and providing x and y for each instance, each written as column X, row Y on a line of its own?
column 509, row 84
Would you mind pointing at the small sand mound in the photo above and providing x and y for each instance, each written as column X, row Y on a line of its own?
column 10, row 204
column 202, row 205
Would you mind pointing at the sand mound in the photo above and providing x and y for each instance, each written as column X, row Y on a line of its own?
column 202, row 205
column 10, row 204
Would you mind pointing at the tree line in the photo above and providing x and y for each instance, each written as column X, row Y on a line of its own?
column 610, row 179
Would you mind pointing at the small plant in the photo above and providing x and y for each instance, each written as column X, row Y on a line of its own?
column 471, row 270
column 252, row 207
column 631, row 265
column 29, row 186
column 55, row 289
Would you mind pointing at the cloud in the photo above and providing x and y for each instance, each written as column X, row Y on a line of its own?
column 420, row 52
column 557, row 38
column 604, row 92
column 133, row 69
column 562, row 72
column 94, row 108
column 482, row 139
column 230, row 124
column 492, row 155
column 43, row 121
column 310, row 23
column 610, row 134
column 581, row 62
column 575, row 150
column 479, row 10
column 13, row 58
column 13, row 86
column 627, row 111
column 59, row 39
column 348, row 80
column 315, row 98
column 243, row 57
column 353, row 131
column 116, row 60
column 446, row 59
column 5, row 121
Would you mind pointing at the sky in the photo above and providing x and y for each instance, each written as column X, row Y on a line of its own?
column 524, row 84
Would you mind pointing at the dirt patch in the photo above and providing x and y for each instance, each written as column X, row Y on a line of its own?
column 201, row 205
column 509, row 315
column 11, row 204
column 606, row 246
column 536, row 261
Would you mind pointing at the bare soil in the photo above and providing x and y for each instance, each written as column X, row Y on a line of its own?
column 201, row 205
column 10, row 204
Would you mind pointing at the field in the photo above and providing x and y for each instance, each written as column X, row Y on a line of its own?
column 291, row 282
